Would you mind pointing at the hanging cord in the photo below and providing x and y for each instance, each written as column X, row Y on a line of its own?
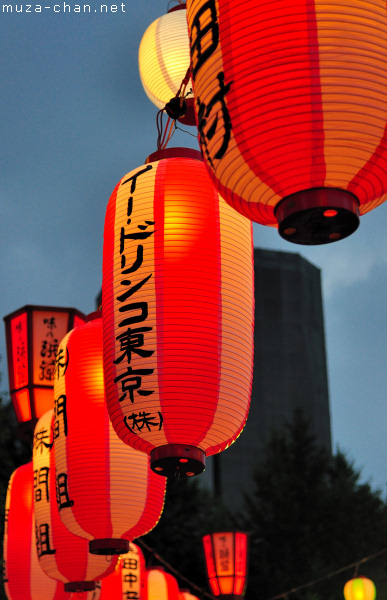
column 175, row 108
column 178, row 575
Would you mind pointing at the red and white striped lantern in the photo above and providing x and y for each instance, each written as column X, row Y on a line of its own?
column 113, row 495
column 177, row 307
column 62, row 555
column 128, row 580
column 291, row 110
column 161, row 585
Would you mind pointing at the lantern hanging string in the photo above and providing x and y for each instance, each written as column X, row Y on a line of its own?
column 173, row 111
column 283, row 595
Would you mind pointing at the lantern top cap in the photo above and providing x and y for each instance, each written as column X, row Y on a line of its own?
column 181, row 6
column 32, row 307
column 174, row 153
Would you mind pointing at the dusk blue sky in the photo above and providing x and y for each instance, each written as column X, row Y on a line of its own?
column 75, row 119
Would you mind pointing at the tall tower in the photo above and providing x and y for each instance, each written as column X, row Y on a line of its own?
column 290, row 369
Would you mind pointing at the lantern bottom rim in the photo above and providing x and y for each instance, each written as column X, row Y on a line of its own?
column 109, row 546
column 79, row 586
column 317, row 216
column 177, row 460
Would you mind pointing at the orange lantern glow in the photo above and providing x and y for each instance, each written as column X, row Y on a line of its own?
column 128, row 579
column 226, row 561
column 186, row 595
column 177, row 306
column 290, row 102
column 164, row 60
column 62, row 555
column 23, row 577
column 112, row 494
column 161, row 585
column 359, row 588
column 33, row 334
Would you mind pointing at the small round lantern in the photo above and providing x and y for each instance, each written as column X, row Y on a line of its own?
column 164, row 60
column 112, row 496
column 161, row 585
column 23, row 577
column 359, row 588
column 177, row 307
column 62, row 555
column 226, row 556
column 291, row 111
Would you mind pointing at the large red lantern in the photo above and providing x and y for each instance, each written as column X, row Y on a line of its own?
column 290, row 102
column 226, row 562
column 161, row 585
column 112, row 494
column 359, row 588
column 177, row 306
column 33, row 334
column 23, row 577
column 62, row 555
column 128, row 580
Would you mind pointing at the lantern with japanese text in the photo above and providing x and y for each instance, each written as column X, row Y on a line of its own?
column 62, row 555
column 226, row 562
column 23, row 577
column 291, row 111
column 33, row 334
column 112, row 494
column 161, row 585
column 177, row 307
column 164, row 61
column 359, row 588
column 128, row 579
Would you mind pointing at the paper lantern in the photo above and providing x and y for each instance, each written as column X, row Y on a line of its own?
column 226, row 562
column 112, row 496
column 291, row 111
column 33, row 334
column 62, row 555
column 23, row 577
column 164, row 60
column 161, row 585
column 93, row 595
column 177, row 307
column 359, row 588
column 186, row 595
column 128, row 579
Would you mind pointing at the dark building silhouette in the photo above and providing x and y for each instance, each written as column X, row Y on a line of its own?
column 290, row 369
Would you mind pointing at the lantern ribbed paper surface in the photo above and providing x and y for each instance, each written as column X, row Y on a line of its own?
column 161, row 585
column 113, row 496
column 62, row 555
column 290, row 98
column 359, row 588
column 23, row 577
column 178, row 315
column 128, row 579
column 226, row 561
column 164, row 56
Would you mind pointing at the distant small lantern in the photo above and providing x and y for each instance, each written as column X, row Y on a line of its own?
column 360, row 588
column 161, row 585
column 291, row 111
column 186, row 595
column 226, row 557
column 33, row 334
column 177, row 308
column 164, row 60
column 128, row 579
column 62, row 555
column 113, row 495
column 22, row 575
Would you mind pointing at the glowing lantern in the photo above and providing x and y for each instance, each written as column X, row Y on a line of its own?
column 177, row 307
column 164, row 60
column 161, row 585
column 33, row 334
column 23, row 577
column 113, row 496
column 359, row 588
column 128, row 579
column 186, row 595
column 62, row 555
column 226, row 561
column 290, row 101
